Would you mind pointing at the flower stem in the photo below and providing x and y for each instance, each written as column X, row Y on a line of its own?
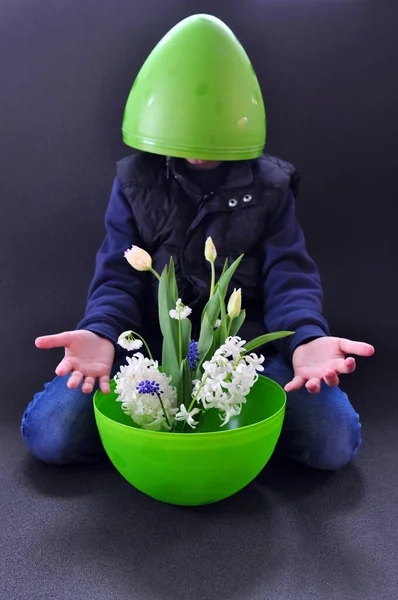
column 194, row 399
column 154, row 273
column 197, row 393
column 145, row 344
column 238, row 360
column 180, row 339
column 164, row 411
column 213, row 279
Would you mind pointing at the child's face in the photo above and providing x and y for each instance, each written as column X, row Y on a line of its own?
column 196, row 163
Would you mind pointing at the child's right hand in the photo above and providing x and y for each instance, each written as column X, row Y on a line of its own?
column 87, row 356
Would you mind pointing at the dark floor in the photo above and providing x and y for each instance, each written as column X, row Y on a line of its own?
column 82, row 533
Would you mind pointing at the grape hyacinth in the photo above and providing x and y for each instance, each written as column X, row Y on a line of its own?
column 193, row 355
column 152, row 388
column 149, row 387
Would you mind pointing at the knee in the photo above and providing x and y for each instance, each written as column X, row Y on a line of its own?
column 43, row 442
column 337, row 441
column 46, row 424
column 47, row 453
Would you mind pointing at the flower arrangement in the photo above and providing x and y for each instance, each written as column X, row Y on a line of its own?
column 215, row 372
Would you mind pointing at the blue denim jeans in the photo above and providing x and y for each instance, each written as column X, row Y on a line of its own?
column 320, row 430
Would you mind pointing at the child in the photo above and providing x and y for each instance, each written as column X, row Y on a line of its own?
column 197, row 96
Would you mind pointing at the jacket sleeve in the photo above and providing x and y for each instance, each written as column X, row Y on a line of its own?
column 115, row 295
column 293, row 294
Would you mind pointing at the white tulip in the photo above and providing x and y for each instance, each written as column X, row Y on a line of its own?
column 210, row 250
column 138, row 258
column 235, row 304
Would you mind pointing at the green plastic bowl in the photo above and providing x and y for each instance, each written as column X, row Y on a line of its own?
column 197, row 96
column 196, row 468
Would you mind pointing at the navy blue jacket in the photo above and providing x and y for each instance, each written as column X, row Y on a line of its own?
column 154, row 206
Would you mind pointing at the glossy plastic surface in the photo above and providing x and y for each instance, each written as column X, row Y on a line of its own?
column 200, row 467
column 197, row 96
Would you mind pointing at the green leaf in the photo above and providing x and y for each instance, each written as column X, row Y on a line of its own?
column 185, row 323
column 170, row 360
column 210, row 315
column 184, row 391
column 237, row 323
column 168, row 326
column 172, row 281
column 186, row 336
column 204, row 343
column 215, row 344
column 187, row 383
column 221, row 333
column 212, row 307
column 225, row 267
column 265, row 339
column 223, row 282
column 169, row 329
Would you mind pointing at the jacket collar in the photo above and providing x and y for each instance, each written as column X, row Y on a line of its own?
column 239, row 175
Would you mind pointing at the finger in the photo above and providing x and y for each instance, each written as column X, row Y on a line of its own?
column 88, row 385
column 295, row 384
column 331, row 378
column 64, row 367
column 359, row 348
column 104, row 384
column 75, row 379
column 350, row 364
column 346, row 366
column 313, row 385
column 53, row 341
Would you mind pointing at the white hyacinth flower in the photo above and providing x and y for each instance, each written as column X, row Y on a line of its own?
column 218, row 367
column 234, row 346
column 255, row 361
column 181, row 311
column 231, row 410
column 127, row 341
column 187, row 416
column 145, row 409
column 227, row 379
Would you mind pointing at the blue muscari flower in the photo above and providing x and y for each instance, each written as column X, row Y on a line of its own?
column 193, row 355
column 149, row 387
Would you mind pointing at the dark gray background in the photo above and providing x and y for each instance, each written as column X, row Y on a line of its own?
column 329, row 75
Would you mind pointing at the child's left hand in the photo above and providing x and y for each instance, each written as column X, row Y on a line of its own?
column 324, row 359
